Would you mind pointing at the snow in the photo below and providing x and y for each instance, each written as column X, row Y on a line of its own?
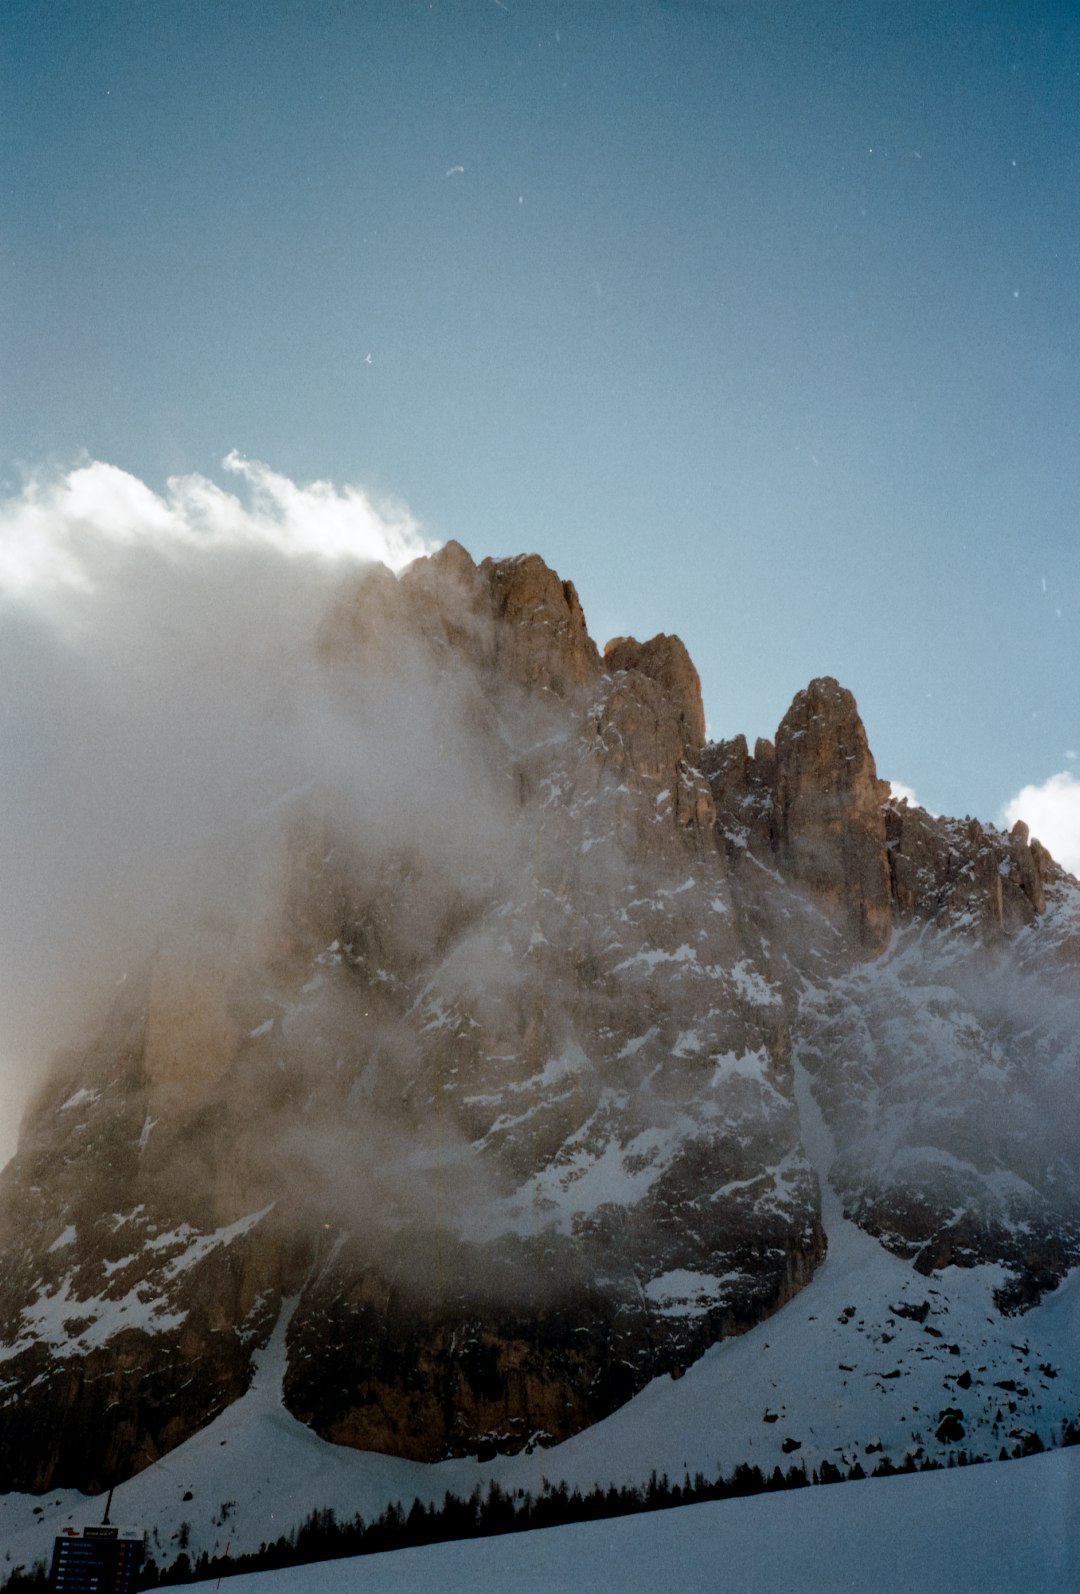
column 752, row 987
column 844, row 1367
column 587, row 1178
column 66, row 1238
column 46, row 1319
column 49, row 1318
column 998, row 1529
column 108, row 1268
column 654, row 956
column 81, row 1098
column 201, row 1245
column 571, row 1062
column 742, row 1065
column 943, row 1062
column 688, row 1043
column 277, row 1471
column 683, row 1293
column 633, row 1046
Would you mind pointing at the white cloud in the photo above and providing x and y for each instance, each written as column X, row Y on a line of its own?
column 904, row 793
column 1052, row 813
column 60, row 530
column 159, row 692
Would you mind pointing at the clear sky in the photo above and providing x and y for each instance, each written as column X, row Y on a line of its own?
column 758, row 319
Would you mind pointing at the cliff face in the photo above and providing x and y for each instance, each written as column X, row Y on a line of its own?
column 494, row 1070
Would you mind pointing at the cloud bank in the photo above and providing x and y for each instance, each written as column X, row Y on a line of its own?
column 1052, row 813
column 158, row 693
column 74, row 531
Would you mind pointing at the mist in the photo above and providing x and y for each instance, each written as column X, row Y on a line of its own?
column 160, row 699
column 334, row 854
column 951, row 1063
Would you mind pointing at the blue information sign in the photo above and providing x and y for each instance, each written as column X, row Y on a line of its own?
column 97, row 1559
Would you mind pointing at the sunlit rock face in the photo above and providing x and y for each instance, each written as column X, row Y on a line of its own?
column 811, row 806
column 487, row 1055
column 813, row 803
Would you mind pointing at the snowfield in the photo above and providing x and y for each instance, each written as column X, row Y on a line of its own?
column 1007, row 1528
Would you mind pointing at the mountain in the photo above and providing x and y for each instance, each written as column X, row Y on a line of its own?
column 499, row 1038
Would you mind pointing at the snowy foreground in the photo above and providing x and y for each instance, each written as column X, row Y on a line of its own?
column 1007, row 1526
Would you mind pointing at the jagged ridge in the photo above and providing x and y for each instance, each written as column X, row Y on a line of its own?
column 513, row 1112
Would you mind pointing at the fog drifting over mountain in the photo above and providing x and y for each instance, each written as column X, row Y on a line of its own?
column 161, row 697
column 157, row 660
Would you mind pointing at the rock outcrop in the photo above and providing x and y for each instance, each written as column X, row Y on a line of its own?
column 812, row 807
column 830, row 829
column 665, row 660
column 950, row 872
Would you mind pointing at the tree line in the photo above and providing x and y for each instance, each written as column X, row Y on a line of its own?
column 322, row 1536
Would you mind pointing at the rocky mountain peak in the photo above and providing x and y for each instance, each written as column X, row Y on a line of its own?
column 541, row 637
column 812, row 803
column 829, row 824
column 450, row 603
column 822, row 741
column 514, row 617
column 664, row 659
column 497, row 1072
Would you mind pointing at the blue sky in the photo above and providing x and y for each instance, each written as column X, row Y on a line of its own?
column 758, row 320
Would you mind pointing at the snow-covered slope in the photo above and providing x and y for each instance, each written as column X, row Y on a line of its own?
column 1000, row 1529
column 870, row 1359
